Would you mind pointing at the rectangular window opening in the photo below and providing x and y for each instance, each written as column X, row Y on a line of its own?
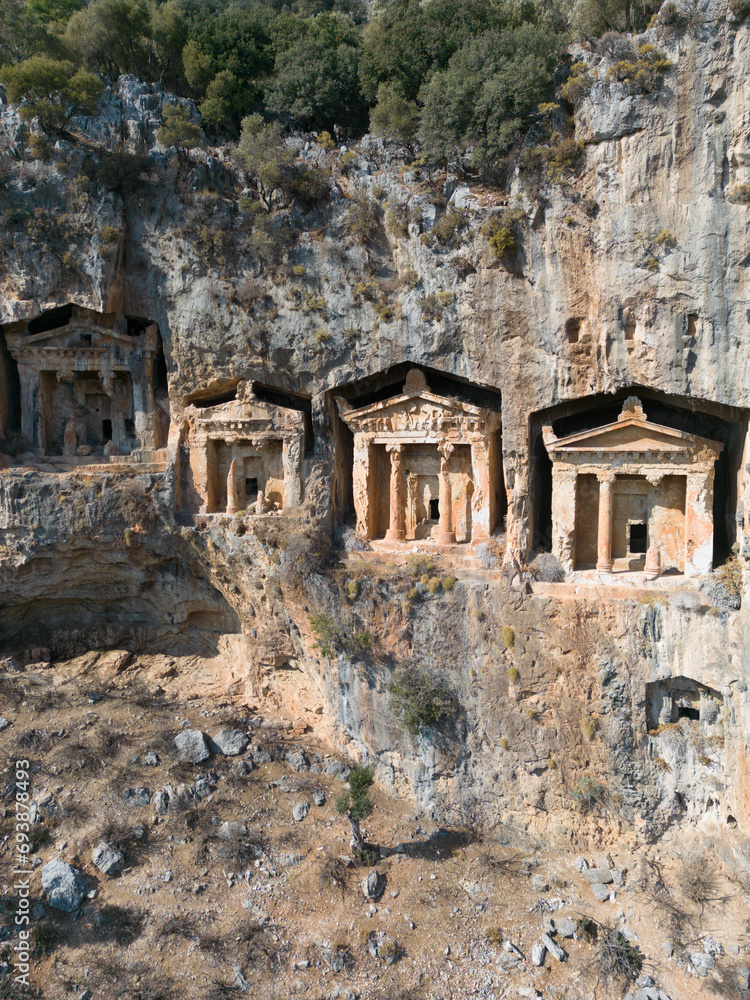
column 106, row 430
column 683, row 712
column 573, row 330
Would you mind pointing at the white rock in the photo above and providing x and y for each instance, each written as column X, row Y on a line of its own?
column 191, row 746
column 107, row 858
column 63, row 884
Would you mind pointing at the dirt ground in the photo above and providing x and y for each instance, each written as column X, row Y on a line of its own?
column 273, row 908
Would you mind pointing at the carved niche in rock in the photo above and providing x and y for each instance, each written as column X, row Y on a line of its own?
column 424, row 466
column 87, row 385
column 632, row 488
column 242, row 455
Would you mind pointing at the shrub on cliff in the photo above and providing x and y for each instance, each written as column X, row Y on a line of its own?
column 178, row 129
column 501, row 232
column 393, row 117
column 53, row 90
column 264, row 155
column 420, row 698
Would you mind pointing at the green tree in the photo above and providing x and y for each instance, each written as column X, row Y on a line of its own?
column 263, row 154
column 393, row 117
column 235, row 38
column 53, row 90
column 315, row 80
column 407, row 39
column 52, row 11
column 169, row 33
column 22, row 33
column 112, row 36
column 178, row 129
column 356, row 804
column 592, row 18
column 225, row 95
column 488, row 93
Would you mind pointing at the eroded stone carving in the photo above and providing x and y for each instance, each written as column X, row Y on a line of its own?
column 632, row 487
column 424, row 465
column 87, row 387
column 242, row 455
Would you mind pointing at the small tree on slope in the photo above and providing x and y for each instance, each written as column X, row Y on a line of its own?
column 356, row 804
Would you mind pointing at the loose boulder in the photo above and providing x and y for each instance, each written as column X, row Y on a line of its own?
column 230, row 742
column 63, row 884
column 191, row 746
column 373, row 885
column 107, row 858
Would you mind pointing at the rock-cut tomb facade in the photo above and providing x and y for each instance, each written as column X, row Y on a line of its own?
column 424, row 466
column 633, row 495
column 87, row 388
column 244, row 455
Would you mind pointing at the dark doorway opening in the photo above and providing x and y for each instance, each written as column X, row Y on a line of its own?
column 251, row 490
column 434, row 510
column 106, row 430
column 683, row 712
column 638, row 538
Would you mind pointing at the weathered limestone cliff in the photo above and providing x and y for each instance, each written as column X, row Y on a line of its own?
column 629, row 278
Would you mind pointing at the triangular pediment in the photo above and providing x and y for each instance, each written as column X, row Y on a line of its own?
column 73, row 336
column 632, row 435
column 418, row 403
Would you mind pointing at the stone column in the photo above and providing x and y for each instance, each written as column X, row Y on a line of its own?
column 445, row 533
column 29, row 379
column 232, row 503
column 564, row 499
column 604, row 560
column 397, row 529
column 363, row 494
column 291, row 460
column 699, row 522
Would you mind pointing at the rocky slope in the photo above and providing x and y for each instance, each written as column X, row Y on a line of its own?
column 640, row 247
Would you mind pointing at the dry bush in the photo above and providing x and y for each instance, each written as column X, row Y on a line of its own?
column 699, row 881
column 616, row 959
column 136, row 842
column 334, row 874
column 114, row 979
column 509, row 868
column 119, row 924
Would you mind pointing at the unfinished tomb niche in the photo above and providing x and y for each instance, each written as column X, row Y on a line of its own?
column 573, row 330
column 677, row 698
column 424, row 465
column 10, row 392
column 90, row 384
column 242, row 455
column 633, row 495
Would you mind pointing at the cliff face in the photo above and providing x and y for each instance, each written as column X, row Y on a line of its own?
column 630, row 275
